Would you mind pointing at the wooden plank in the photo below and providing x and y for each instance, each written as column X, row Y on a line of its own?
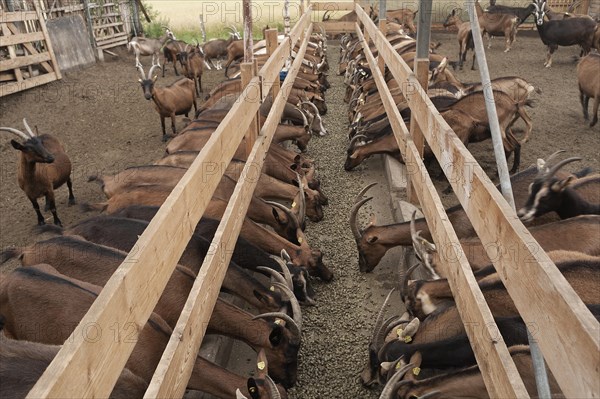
column 28, row 46
column 48, row 42
column 22, row 38
column 177, row 362
column 132, row 292
column 11, row 53
column 421, row 69
column 556, row 304
column 103, row 26
column 18, row 16
column 20, row 62
column 271, row 39
column 11, row 88
column 336, row 26
column 333, row 6
column 248, row 71
column 498, row 369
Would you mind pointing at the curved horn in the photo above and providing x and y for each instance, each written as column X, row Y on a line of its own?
column 379, row 319
column 291, row 217
column 405, row 280
column 303, row 115
column 314, row 107
column 27, row 128
column 273, row 273
column 294, row 302
column 15, row 132
column 290, row 323
column 390, row 386
column 285, row 269
column 141, row 70
column 559, row 165
column 302, row 211
column 273, row 391
column 239, row 395
column 151, row 71
column 355, row 139
column 353, row 213
column 543, row 164
column 429, row 395
column 285, row 256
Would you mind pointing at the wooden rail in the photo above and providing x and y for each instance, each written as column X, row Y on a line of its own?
column 134, row 289
column 540, row 292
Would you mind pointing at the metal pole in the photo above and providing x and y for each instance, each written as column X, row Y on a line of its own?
column 539, row 367
column 490, row 104
column 424, row 29
column 248, row 41
column 286, row 17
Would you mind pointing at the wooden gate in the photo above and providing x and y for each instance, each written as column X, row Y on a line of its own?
column 26, row 56
column 107, row 24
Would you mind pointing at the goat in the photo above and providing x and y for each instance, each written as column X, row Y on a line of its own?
column 193, row 66
column 497, row 25
column 588, row 78
column 43, row 167
column 171, row 52
column 465, row 37
column 467, row 382
column 520, row 12
column 145, row 46
column 22, row 363
column 26, row 291
column 169, row 101
column 373, row 241
column 217, row 48
column 548, row 193
column 566, row 32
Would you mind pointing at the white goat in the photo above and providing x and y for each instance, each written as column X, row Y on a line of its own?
column 145, row 46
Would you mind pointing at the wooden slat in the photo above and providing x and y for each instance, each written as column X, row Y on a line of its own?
column 21, row 38
column 177, row 362
column 539, row 291
column 336, row 26
column 18, row 16
column 28, row 46
column 103, row 26
column 48, row 42
column 332, row 6
column 10, row 88
column 498, row 369
column 23, row 61
column 133, row 290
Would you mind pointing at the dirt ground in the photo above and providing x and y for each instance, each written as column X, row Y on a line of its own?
column 106, row 125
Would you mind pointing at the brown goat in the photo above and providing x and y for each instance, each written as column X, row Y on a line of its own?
column 193, row 68
column 43, row 167
column 40, row 304
column 497, row 25
column 588, row 78
column 22, row 363
column 465, row 38
column 169, row 101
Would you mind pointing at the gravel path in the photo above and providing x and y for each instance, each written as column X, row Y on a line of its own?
column 337, row 331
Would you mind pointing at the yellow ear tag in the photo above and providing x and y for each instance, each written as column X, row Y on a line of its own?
column 416, row 370
column 260, row 365
column 407, row 339
column 293, row 204
column 271, row 288
column 398, row 365
column 300, row 240
column 399, row 332
column 278, row 321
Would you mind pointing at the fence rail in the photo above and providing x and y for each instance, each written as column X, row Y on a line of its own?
column 540, row 292
column 134, row 289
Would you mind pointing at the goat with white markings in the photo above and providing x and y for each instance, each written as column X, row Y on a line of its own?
column 565, row 32
column 146, row 46
column 43, row 167
column 169, row 101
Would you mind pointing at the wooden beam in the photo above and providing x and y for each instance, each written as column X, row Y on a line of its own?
column 178, row 359
column 336, row 26
column 271, row 38
column 6, row 65
column 248, row 72
column 48, row 42
column 11, row 88
column 556, row 304
column 332, row 6
column 133, row 290
column 497, row 367
column 421, row 69
column 22, row 38
column 18, row 16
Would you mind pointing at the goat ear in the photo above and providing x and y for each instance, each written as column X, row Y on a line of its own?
column 371, row 240
column 562, row 184
column 18, row 146
column 453, row 12
column 276, row 216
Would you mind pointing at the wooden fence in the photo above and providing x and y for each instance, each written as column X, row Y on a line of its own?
column 540, row 292
column 90, row 369
column 26, row 56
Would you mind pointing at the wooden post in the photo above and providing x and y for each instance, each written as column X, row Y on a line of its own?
column 248, row 40
column 301, row 7
column 271, row 37
column 286, row 17
column 383, row 29
column 202, row 28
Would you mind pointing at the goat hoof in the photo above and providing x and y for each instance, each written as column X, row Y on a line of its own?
column 165, row 138
column 72, row 201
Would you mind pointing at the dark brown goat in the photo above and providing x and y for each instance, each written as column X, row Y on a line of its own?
column 169, row 101
column 43, row 167
column 22, row 363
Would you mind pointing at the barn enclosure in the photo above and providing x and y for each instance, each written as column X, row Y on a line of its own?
column 101, row 116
